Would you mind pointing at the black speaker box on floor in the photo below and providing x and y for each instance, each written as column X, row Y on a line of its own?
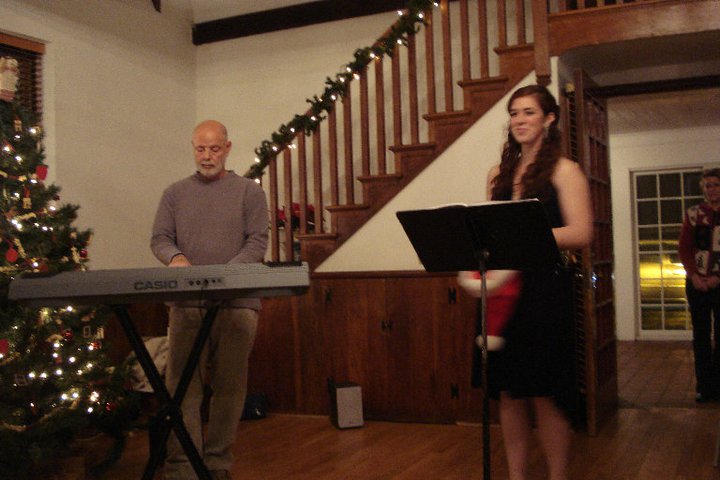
column 346, row 405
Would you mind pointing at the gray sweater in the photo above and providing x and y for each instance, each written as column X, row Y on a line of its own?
column 212, row 222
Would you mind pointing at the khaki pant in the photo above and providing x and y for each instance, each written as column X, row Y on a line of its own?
column 224, row 365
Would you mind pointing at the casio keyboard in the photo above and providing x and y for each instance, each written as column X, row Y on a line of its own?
column 210, row 285
column 163, row 284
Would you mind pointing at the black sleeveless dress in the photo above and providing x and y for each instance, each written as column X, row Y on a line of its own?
column 538, row 359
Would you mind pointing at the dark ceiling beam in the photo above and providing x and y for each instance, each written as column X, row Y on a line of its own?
column 673, row 85
column 289, row 17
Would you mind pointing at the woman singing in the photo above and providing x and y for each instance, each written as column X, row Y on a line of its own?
column 534, row 372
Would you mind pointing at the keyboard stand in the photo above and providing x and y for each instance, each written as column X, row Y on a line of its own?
column 170, row 412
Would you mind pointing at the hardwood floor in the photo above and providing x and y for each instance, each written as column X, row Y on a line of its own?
column 659, row 433
column 656, row 374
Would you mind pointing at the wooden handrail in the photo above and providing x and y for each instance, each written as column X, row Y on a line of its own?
column 568, row 5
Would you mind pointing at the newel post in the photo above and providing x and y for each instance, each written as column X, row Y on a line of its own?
column 541, row 41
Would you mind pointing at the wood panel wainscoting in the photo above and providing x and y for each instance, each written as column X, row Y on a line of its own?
column 405, row 337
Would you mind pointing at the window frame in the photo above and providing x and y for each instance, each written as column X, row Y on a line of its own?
column 687, row 198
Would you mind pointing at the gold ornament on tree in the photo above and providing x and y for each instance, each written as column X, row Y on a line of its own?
column 27, row 200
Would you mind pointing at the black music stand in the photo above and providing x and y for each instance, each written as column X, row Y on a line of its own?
column 170, row 413
column 501, row 235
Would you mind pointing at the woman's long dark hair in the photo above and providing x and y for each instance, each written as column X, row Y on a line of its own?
column 536, row 179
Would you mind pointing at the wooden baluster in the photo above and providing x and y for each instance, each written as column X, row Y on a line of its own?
column 333, row 154
column 397, row 99
column 502, row 25
column 430, row 62
column 447, row 55
column 483, row 40
column 413, row 90
column 348, row 139
column 274, row 231
column 317, row 181
column 380, row 116
column 520, row 21
column 364, row 124
column 465, row 39
column 302, row 183
column 288, row 199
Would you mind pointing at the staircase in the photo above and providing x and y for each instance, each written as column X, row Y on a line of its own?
column 468, row 56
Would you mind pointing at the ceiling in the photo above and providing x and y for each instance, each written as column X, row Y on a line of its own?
column 659, row 59
column 664, row 111
column 206, row 10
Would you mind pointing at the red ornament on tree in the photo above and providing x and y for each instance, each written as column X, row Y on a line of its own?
column 4, row 346
column 41, row 171
column 11, row 255
column 68, row 334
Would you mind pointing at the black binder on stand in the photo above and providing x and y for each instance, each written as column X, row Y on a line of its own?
column 498, row 235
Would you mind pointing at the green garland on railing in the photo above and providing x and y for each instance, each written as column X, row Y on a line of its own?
column 407, row 24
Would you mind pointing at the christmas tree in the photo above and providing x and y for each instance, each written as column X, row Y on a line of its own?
column 56, row 379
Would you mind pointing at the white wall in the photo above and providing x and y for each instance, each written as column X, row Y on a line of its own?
column 641, row 151
column 119, row 101
column 255, row 84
